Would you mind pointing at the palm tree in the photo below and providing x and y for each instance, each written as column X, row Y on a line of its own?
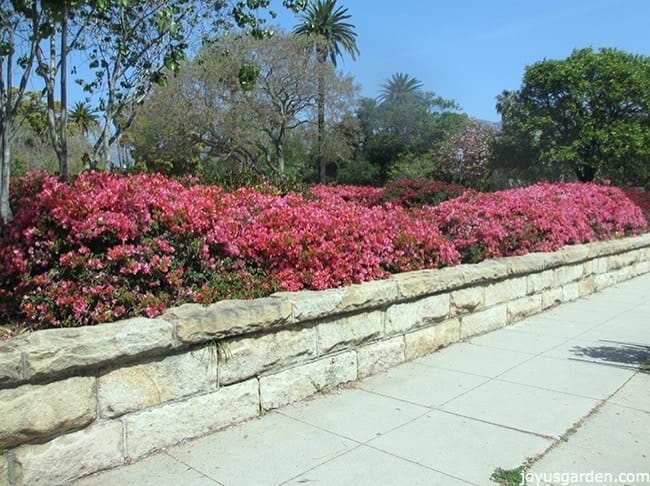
column 399, row 87
column 83, row 117
column 326, row 23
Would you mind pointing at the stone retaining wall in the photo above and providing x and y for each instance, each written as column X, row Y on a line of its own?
column 75, row 401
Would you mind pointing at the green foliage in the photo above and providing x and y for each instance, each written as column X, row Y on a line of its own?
column 327, row 22
column 586, row 116
column 407, row 123
column 357, row 171
column 509, row 477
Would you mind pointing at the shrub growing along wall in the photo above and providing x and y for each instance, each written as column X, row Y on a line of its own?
column 75, row 401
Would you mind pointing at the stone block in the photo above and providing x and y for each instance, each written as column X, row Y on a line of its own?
column 604, row 280
column 425, row 341
column 623, row 274
column 575, row 253
column 421, row 283
column 70, row 456
column 599, row 265
column 11, row 364
column 140, row 386
column 483, row 321
column 168, row 424
column 243, row 358
column 403, row 318
column 5, row 480
column 199, row 324
column 587, row 286
column 52, row 351
column 302, row 381
column 570, row 292
column 538, row 282
column 506, row 290
column 524, row 307
column 466, row 300
column 567, row 274
column 552, row 297
column 615, row 262
column 35, row 411
column 308, row 305
column 380, row 356
column 642, row 267
column 526, row 264
column 484, row 272
column 348, row 332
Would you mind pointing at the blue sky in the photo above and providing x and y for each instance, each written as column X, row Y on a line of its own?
column 471, row 50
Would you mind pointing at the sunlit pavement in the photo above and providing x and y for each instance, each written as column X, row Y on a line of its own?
column 455, row 416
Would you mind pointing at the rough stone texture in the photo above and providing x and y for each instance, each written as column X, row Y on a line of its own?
column 4, row 471
column 564, row 275
column 571, row 292
column 524, row 307
column 140, row 386
column 604, row 280
column 198, row 324
column 311, row 304
column 575, row 253
column 642, row 268
column 425, row 341
column 348, row 332
column 11, row 364
column 466, row 300
column 623, row 274
column 504, row 291
column 168, row 424
column 421, row 283
column 368, row 295
column 552, row 297
column 538, row 282
column 302, row 381
column 587, row 286
column 377, row 357
column 526, row 264
column 484, row 321
column 52, row 351
column 403, row 318
column 247, row 357
column 615, row 262
column 70, row 456
column 599, row 265
column 34, row 411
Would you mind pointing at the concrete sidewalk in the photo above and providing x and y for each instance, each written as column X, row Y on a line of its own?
column 562, row 388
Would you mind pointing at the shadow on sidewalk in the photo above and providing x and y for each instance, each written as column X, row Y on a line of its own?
column 614, row 353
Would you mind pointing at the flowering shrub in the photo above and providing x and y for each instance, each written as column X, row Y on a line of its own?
column 641, row 198
column 105, row 246
column 543, row 217
column 420, row 192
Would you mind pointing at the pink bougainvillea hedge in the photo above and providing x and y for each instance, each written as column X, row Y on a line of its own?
column 106, row 246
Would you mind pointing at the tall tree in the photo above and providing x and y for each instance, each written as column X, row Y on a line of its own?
column 588, row 114
column 19, row 21
column 399, row 87
column 83, row 117
column 326, row 24
column 238, row 102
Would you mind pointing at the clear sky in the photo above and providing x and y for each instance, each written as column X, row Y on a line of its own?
column 471, row 50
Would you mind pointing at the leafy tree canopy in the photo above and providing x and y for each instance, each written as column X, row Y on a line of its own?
column 587, row 116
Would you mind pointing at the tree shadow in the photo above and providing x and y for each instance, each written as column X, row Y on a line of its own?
column 614, row 353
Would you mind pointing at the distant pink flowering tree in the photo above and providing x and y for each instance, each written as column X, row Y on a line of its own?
column 465, row 155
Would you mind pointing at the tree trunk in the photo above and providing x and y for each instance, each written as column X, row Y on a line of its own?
column 320, row 155
column 5, row 167
column 63, row 137
column 585, row 173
